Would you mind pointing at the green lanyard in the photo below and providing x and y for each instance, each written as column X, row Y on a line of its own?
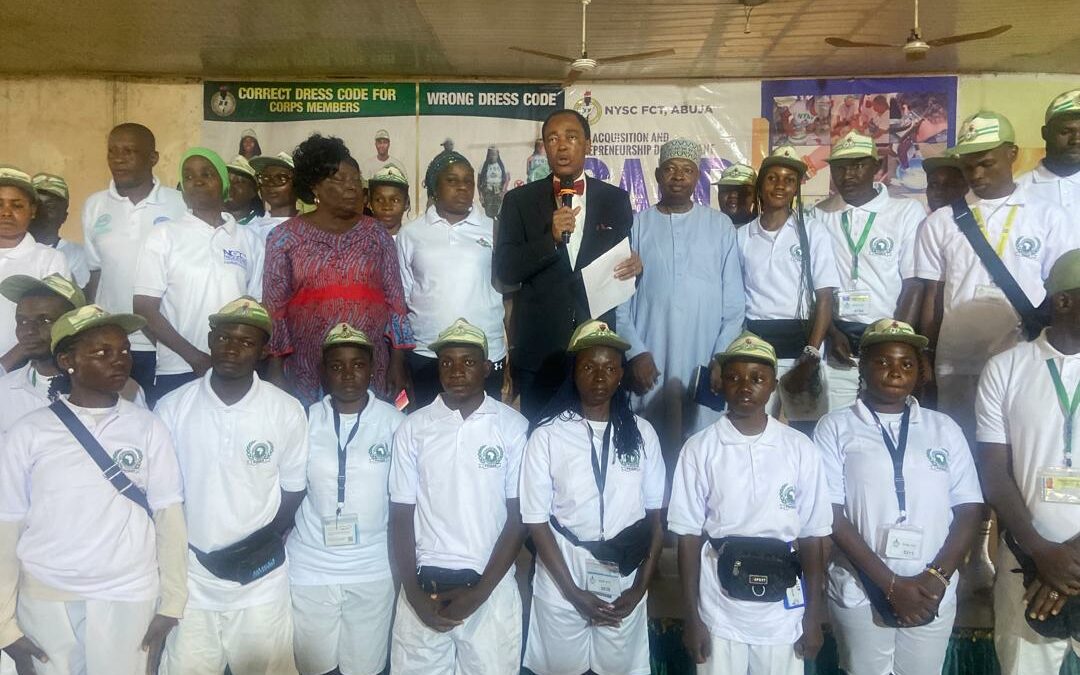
column 1068, row 408
column 855, row 248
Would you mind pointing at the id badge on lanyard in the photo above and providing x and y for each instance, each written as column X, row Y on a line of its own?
column 1061, row 484
column 341, row 529
column 602, row 579
column 856, row 301
column 899, row 540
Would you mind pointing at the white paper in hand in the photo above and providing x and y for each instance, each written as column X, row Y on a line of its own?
column 602, row 289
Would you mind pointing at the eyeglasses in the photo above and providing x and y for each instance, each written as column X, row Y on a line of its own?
column 275, row 180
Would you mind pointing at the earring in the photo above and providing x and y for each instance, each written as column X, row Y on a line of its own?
column 316, row 200
column 71, row 371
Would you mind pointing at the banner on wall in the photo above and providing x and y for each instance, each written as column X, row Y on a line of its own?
column 491, row 124
column 629, row 123
column 909, row 118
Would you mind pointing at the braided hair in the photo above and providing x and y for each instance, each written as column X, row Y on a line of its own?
column 565, row 405
column 61, row 383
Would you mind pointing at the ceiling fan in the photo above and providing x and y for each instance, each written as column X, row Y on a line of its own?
column 916, row 47
column 584, row 64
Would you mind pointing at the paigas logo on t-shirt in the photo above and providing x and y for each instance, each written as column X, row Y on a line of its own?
column 939, row 459
column 233, row 257
column 379, row 453
column 787, row 496
column 259, row 452
column 630, row 461
column 490, row 456
column 128, row 459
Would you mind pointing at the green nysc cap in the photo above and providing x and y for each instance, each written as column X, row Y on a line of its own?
column 949, row 159
column 51, row 184
column 853, row 146
column 461, row 332
column 1065, row 274
column 262, row 162
column 983, row 131
column 18, row 285
column 1064, row 104
column 785, row 155
column 891, row 330
column 748, row 346
column 595, row 333
column 13, row 177
column 737, row 175
column 91, row 316
column 389, row 175
column 345, row 334
column 245, row 310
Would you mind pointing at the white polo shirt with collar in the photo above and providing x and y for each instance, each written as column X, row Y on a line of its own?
column 446, row 274
column 727, row 484
column 24, row 390
column 887, row 257
column 1045, row 184
column 236, row 459
column 367, row 472
column 977, row 319
column 114, row 230
column 82, row 536
column 75, row 254
column 30, row 258
column 772, row 267
column 557, row 480
column 1017, row 405
column 939, row 474
column 458, row 473
column 196, row 269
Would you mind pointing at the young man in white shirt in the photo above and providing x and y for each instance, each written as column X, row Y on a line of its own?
column 243, row 448
column 965, row 314
column 873, row 241
column 339, row 564
column 1026, row 439
column 749, row 476
column 52, row 213
column 1057, row 177
column 455, row 523
column 19, row 253
column 115, row 223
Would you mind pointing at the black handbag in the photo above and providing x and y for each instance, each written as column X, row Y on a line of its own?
column 756, row 569
column 627, row 549
column 1067, row 623
column 248, row 560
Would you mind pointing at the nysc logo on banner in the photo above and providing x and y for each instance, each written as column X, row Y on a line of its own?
column 223, row 103
column 589, row 108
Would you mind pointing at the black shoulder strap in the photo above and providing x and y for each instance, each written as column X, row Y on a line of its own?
column 1029, row 316
column 807, row 264
column 111, row 472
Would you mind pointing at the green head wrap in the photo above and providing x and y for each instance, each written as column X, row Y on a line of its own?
column 212, row 157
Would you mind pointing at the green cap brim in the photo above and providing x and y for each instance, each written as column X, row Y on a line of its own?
column 26, row 187
column 976, row 148
column 934, row 163
column 129, row 323
column 917, row 341
column 221, row 319
column 439, row 344
column 607, row 340
column 18, row 285
column 722, row 358
column 792, row 164
column 262, row 163
column 726, row 182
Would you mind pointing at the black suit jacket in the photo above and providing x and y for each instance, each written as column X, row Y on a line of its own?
column 552, row 301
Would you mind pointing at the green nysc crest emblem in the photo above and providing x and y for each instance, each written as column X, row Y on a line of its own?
column 882, row 246
column 128, row 459
column 939, row 459
column 630, row 461
column 259, row 452
column 787, row 496
column 490, row 456
column 1028, row 247
column 379, row 453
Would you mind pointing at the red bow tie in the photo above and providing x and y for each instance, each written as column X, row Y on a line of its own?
column 579, row 186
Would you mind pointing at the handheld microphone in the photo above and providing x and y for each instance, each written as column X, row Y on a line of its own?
column 566, row 194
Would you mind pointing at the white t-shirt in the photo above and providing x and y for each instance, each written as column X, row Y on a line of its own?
column 367, row 471
column 264, row 225
column 772, row 267
column 113, row 233
column 82, row 536
column 977, row 320
column 236, row 459
column 196, row 269
column 446, row 274
column 557, row 480
column 939, row 474
column 24, row 390
column 76, row 258
column 1045, row 184
column 887, row 257
column 728, row 484
column 459, row 474
column 1018, row 406
column 30, row 258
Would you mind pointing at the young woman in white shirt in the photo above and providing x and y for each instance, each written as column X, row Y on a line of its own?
column 906, row 503
column 592, row 485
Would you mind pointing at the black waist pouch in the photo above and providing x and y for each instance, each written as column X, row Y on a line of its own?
column 248, row 560
column 853, row 331
column 757, row 569
column 627, row 549
column 1064, row 625
column 441, row 579
column 787, row 336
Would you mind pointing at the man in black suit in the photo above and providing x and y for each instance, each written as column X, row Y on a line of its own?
column 532, row 251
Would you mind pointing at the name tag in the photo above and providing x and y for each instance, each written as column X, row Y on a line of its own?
column 989, row 292
column 602, row 579
column 340, row 530
column 901, row 542
column 793, row 597
column 853, row 303
column 1060, row 485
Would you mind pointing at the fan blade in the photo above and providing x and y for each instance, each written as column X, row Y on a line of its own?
column 841, row 42
column 635, row 57
column 968, row 37
column 546, row 55
column 571, row 78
